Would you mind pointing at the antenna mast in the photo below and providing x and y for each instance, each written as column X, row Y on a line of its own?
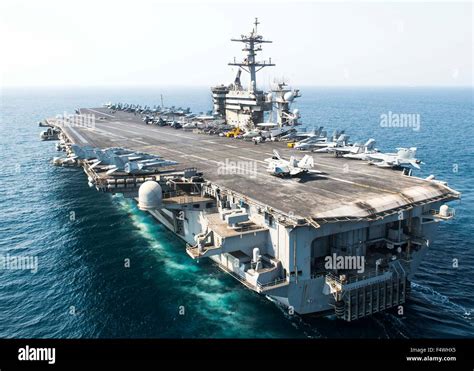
column 252, row 44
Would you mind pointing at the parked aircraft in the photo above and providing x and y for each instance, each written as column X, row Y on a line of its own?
column 278, row 166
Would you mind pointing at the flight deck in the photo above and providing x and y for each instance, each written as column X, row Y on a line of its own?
column 344, row 189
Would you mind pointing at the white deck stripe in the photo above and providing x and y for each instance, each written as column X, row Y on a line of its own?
column 140, row 141
column 100, row 113
column 81, row 138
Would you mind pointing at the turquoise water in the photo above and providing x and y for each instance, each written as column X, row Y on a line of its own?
column 83, row 289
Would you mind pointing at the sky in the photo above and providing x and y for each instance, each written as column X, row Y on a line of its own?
column 135, row 43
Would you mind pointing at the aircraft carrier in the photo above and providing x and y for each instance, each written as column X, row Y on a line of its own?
column 294, row 239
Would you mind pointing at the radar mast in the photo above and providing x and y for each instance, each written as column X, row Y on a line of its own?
column 252, row 44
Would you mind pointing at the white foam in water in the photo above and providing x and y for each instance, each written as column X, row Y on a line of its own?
column 152, row 232
column 217, row 303
column 436, row 298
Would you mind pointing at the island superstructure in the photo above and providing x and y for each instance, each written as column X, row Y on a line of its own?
column 291, row 240
column 245, row 107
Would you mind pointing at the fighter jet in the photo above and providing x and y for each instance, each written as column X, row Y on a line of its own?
column 338, row 141
column 190, row 125
column 403, row 158
column 364, row 152
column 253, row 134
column 350, row 151
column 301, row 135
column 134, row 167
column 84, row 152
column 279, row 132
column 264, row 130
column 287, row 168
column 309, row 143
column 119, row 159
column 316, row 138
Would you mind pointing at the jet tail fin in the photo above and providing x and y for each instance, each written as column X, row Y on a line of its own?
column 370, row 144
column 306, row 162
column 406, row 152
column 343, row 138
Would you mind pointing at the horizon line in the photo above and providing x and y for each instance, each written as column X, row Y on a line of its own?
column 209, row 86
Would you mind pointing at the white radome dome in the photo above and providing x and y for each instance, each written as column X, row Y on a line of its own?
column 444, row 210
column 149, row 195
column 289, row 96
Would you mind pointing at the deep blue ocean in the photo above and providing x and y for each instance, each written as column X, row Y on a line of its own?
column 83, row 290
